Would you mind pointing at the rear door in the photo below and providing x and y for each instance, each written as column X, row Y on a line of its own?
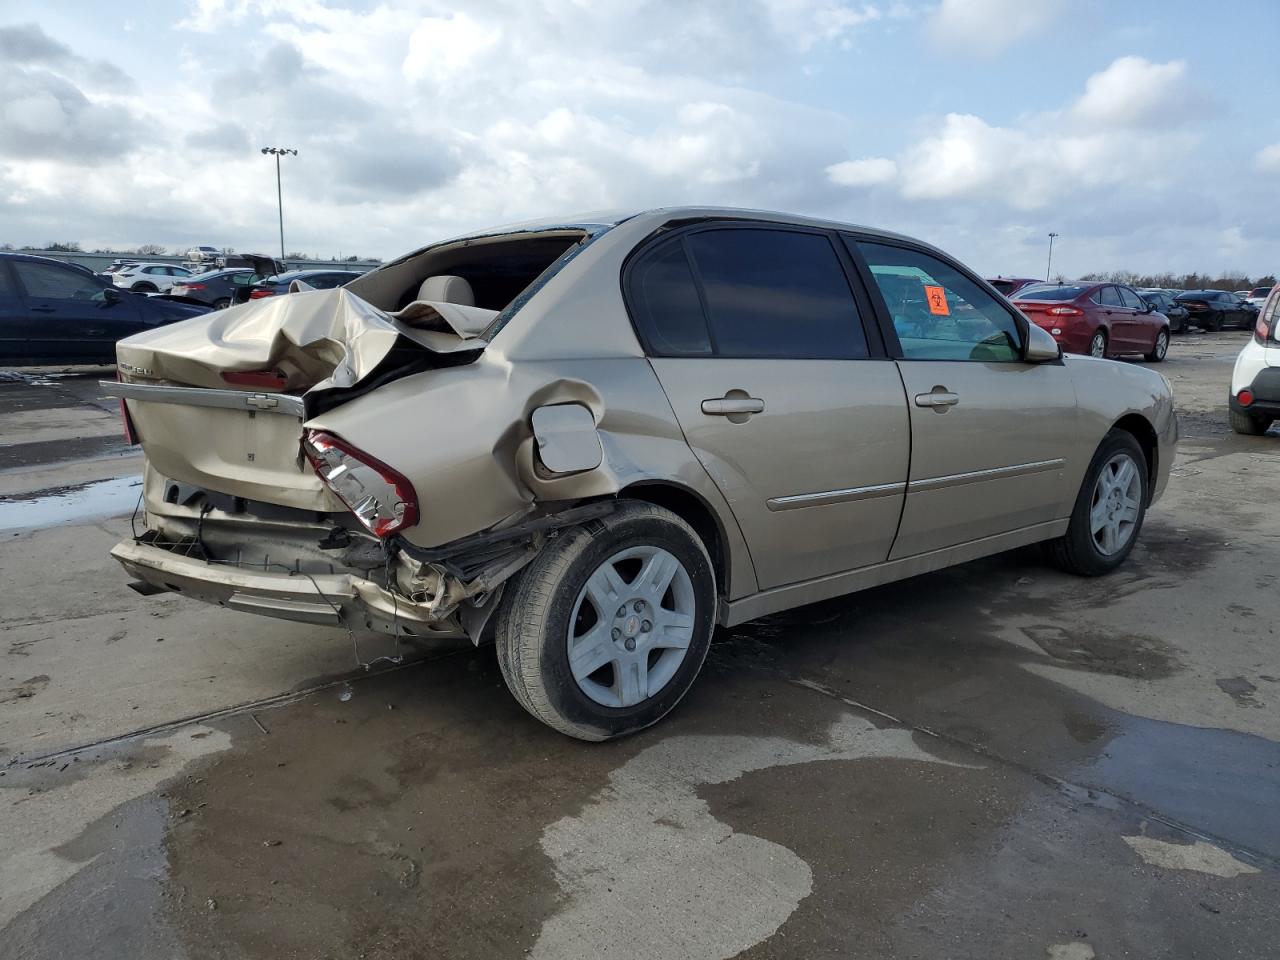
column 991, row 435
column 16, row 325
column 759, row 342
column 70, row 317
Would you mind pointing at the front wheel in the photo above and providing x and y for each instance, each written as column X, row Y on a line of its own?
column 1159, row 348
column 1098, row 344
column 1215, row 322
column 605, row 631
column 1108, row 512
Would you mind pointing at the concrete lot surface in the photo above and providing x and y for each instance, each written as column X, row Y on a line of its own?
column 995, row 761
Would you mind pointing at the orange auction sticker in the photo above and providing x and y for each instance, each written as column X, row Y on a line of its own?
column 937, row 298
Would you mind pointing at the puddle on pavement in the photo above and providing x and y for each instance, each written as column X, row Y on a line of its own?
column 63, row 505
column 1219, row 781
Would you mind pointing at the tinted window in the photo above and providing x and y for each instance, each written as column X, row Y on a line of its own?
column 1050, row 291
column 1109, row 297
column 1130, row 299
column 58, row 283
column 938, row 312
column 776, row 293
column 664, row 301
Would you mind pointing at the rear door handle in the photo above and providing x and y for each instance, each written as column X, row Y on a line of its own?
column 42, row 309
column 937, row 398
column 730, row 406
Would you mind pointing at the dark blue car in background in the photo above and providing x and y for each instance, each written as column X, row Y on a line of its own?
column 53, row 312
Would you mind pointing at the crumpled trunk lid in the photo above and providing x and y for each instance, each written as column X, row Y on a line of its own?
column 219, row 401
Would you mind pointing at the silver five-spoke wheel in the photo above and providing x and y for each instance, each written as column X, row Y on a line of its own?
column 631, row 626
column 1116, row 504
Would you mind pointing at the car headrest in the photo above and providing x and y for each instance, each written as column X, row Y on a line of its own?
column 445, row 288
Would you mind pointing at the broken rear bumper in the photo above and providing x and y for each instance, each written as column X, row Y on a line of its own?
column 334, row 599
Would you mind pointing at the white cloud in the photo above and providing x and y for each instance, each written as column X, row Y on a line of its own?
column 1135, row 92
column 1268, row 158
column 868, row 172
column 986, row 27
column 1101, row 140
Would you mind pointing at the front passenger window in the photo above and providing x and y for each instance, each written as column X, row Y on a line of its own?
column 46, row 281
column 1131, row 299
column 938, row 312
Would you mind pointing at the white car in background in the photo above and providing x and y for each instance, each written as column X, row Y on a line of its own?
column 1258, row 296
column 1255, row 382
column 149, row 277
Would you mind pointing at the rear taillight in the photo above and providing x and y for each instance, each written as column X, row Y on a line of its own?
column 130, row 434
column 1262, row 329
column 1067, row 312
column 259, row 294
column 1245, row 397
column 382, row 499
column 190, row 286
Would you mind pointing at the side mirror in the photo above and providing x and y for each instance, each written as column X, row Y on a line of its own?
column 110, row 294
column 1041, row 347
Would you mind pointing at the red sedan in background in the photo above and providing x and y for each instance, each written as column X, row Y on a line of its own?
column 1009, row 286
column 1100, row 319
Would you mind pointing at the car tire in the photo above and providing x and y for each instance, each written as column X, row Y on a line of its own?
column 1215, row 322
column 551, row 606
column 1098, row 343
column 221, row 303
column 1250, row 424
column 143, row 287
column 1105, row 526
column 1160, row 348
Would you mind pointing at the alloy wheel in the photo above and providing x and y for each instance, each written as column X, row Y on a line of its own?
column 1116, row 504
column 631, row 626
column 1098, row 345
column 1162, row 344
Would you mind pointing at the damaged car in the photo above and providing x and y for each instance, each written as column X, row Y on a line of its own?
column 593, row 439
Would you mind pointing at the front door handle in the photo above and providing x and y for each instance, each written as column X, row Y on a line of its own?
column 735, row 405
column 940, row 398
column 42, row 309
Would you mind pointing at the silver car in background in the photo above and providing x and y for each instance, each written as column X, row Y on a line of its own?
column 592, row 439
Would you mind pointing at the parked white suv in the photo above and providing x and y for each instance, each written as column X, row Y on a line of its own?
column 149, row 277
column 1255, row 382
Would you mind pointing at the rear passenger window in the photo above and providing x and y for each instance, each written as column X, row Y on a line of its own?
column 1109, row 297
column 664, row 300
column 776, row 293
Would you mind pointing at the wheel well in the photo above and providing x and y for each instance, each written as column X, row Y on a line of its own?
column 1145, row 434
column 693, row 510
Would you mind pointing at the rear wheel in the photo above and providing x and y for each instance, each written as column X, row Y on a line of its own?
column 1160, row 347
column 605, row 631
column 1215, row 322
column 221, row 303
column 1098, row 344
column 1108, row 512
column 1250, row 424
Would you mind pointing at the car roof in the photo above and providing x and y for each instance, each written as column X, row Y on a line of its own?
column 53, row 260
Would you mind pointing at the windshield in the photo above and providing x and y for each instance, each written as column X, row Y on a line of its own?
column 1051, row 291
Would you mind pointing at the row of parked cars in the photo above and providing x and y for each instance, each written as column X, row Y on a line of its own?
column 54, row 312
column 1111, row 319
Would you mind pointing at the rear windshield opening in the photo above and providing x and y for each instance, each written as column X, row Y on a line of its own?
column 498, row 269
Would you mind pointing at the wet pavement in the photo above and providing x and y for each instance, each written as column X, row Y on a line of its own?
column 991, row 761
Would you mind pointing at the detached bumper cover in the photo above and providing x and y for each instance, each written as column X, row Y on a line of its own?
column 334, row 600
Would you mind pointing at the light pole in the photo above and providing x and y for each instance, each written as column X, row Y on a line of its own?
column 280, row 152
column 1047, row 270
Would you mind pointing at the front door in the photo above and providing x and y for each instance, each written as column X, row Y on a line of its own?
column 759, row 343
column 71, row 319
column 990, row 433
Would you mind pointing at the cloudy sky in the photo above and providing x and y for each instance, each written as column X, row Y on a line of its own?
column 1145, row 132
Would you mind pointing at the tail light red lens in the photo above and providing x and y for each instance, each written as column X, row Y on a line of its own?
column 1245, row 397
column 383, row 500
column 1067, row 312
column 1262, row 330
column 190, row 286
column 259, row 294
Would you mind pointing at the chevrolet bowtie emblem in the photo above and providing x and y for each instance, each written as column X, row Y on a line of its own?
column 261, row 401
